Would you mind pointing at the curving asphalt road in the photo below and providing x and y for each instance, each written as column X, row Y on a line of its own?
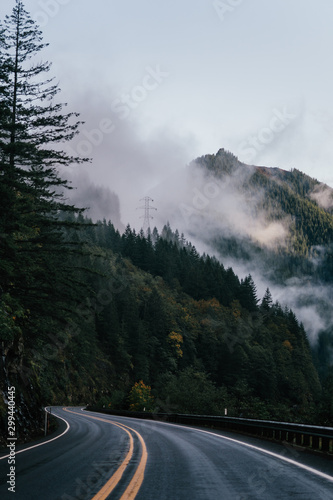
column 100, row 456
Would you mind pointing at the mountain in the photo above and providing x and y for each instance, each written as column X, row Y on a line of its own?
column 276, row 225
column 200, row 333
column 284, row 211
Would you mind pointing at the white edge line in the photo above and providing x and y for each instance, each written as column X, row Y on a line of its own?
column 275, row 455
column 271, row 453
column 45, row 442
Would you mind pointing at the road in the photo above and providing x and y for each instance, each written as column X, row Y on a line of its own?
column 97, row 456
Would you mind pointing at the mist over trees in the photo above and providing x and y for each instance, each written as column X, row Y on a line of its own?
column 276, row 225
column 89, row 315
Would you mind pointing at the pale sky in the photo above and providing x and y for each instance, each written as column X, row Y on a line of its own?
column 160, row 83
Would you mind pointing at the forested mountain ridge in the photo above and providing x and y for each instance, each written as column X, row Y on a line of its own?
column 285, row 241
column 303, row 203
column 288, row 218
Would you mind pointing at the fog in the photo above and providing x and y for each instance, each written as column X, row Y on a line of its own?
column 124, row 163
column 207, row 209
column 128, row 164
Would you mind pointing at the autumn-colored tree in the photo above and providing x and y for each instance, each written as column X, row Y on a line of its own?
column 175, row 340
column 140, row 397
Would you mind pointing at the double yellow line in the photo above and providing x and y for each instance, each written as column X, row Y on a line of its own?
column 136, row 481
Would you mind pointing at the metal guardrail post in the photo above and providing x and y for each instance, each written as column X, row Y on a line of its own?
column 315, row 442
column 306, row 440
column 325, row 444
column 299, row 438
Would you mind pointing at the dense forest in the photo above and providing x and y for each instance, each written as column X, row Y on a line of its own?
column 156, row 311
column 132, row 320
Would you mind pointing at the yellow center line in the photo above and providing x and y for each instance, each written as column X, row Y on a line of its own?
column 135, row 484
column 116, row 477
column 136, row 481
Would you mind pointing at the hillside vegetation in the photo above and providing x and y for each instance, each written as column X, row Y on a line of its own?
column 155, row 311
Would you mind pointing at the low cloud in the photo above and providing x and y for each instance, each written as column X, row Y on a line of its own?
column 126, row 166
column 122, row 160
column 323, row 195
column 202, row 204
column 99, row 201
column 212, row 209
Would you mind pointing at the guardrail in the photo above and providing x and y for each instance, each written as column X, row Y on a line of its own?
column 310, row 437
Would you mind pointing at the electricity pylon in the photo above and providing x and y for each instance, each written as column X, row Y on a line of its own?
column 147, row 208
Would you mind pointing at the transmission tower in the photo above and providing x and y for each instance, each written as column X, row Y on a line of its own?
column 147, row 208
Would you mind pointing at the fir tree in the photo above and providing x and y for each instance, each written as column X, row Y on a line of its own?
column 267, row 300
column 248, row 294
column 32, row 203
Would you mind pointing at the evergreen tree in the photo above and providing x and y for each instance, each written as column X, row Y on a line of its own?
column 267, row 300
column 248, row 294
column 32, row 248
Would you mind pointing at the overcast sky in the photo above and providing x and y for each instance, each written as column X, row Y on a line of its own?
column 159, row 83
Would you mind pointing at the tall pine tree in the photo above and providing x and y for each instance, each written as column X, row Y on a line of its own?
column 33, row 252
